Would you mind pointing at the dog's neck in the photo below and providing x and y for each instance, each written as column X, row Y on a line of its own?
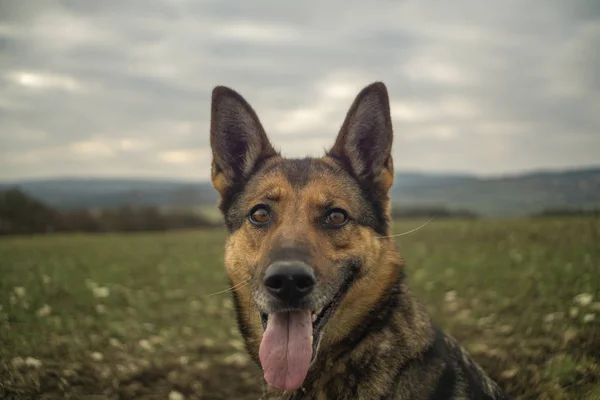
column 333, row 372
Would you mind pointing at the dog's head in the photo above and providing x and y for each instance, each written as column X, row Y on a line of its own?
column 305, row 253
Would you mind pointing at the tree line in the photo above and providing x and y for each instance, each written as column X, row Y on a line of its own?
column 23, row 214
column 431, row 211
column 568, row 212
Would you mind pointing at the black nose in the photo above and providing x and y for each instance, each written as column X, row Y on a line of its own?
column 289, row 281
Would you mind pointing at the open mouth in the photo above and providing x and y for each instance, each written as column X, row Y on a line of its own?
column 291, row 339
column 318, row 318
column 290, row 344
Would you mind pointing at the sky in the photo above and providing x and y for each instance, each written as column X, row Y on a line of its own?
column 118, row 88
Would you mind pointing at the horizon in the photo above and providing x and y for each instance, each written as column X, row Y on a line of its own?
column 582, row 168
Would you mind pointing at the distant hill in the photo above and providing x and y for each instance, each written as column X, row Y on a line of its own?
column 68, row 193
column 504, row 196
column 501, row 196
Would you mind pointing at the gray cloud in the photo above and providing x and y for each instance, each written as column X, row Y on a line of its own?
column 123, row 88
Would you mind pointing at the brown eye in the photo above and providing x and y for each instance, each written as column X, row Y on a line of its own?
column 260, row 215
column 336, row 218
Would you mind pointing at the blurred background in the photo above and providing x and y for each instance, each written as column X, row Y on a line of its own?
column 495, row 105
column 104, row 128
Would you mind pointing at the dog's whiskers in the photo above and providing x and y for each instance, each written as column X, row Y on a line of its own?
column 230, row 289
column 406, row 233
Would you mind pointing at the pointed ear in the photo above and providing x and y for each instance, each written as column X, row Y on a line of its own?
column 238, row 141
column 364, row 143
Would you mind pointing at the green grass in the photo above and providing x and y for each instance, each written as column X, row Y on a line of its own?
column 132, row 316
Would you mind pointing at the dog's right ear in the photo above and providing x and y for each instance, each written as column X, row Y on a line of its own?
column 237, row 139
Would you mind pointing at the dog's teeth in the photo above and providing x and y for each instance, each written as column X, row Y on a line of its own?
column 314, row 317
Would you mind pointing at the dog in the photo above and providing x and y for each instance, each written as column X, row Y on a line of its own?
column 317, row 282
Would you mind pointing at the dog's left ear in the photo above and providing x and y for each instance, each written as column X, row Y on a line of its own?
column 364, row 143
column 238, row 141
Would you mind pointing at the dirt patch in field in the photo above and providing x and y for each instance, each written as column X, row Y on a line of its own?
column 207, row 373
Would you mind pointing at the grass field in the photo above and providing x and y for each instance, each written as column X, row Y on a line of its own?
column 132, row 316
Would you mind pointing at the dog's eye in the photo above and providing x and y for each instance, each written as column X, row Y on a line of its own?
column 336, row 218
column 260, row 215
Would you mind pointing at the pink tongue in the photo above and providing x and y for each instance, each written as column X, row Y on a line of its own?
column 286, row 349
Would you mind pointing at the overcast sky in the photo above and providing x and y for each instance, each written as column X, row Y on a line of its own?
column 122, row 88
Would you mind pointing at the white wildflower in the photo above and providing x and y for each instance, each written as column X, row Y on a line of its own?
column 450, row 296
column 589, row 317
column 100, row 309
column 33, row 362
column 228, row 304
column 202, row 365
column 156, row 339
column 553, row 316
column 486, row 320
column 505, row 329
column 44, row 311
column 184, row 360
column 195, row 305
column 238, row 359
column 68, row 373
column 17, row 362
column 175, row 395
column 101, row 292
column 583, row 299
column 20, row 291
column 146, row 345
column 97, row 356
column 573, row 312
column 46, row 279
column 510, row 373
column 569, row 335
column 236, row 344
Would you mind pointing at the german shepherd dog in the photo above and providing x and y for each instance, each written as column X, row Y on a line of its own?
column 317, row 282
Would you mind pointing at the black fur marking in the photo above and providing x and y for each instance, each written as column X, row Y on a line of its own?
column 445, row 384
column 381, row 223
column 297, row 171
column 473, row 379
column 377, row 319
column 350, row 272
column 424, row 358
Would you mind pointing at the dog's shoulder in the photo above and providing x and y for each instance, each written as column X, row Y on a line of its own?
column 460, row 377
